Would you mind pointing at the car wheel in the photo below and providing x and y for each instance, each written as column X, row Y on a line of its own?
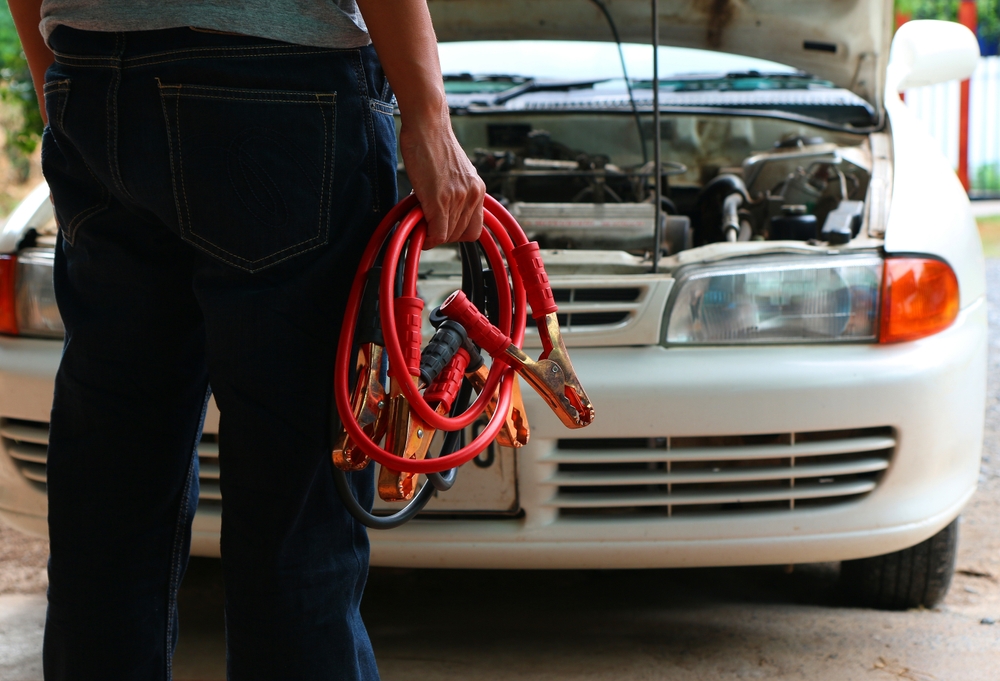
column 911, row 578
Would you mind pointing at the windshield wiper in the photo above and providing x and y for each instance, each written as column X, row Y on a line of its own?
column 546, row 86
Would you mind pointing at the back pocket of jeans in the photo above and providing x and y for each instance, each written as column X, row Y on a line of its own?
column 252, row 170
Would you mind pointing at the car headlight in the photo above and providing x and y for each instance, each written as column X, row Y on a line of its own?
column 27, row 299
column 815, row 299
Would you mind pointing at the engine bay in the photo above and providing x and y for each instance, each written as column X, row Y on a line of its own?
column 580, row 180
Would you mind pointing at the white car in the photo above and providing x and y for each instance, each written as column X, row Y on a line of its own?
column 796, row 373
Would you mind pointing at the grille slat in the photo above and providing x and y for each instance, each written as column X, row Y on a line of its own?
column 586, row 479
column 208, row 450
column 749, row 452
column 637, row 499
column 596, row 306
column 716, row 475
column 29, row 452
column 34, row 472
column 208, row 471
column 22, row 432
column 577, row 307
column 210, row 490
column 27, row 443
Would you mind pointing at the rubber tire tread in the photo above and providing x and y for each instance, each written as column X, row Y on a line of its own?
column 915, row 577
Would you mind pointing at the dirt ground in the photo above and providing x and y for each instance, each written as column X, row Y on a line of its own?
column 697, row 624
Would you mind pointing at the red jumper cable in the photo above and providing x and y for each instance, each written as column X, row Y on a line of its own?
column 401, row 235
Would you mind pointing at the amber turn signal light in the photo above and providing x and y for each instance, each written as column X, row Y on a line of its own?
column 919, row 299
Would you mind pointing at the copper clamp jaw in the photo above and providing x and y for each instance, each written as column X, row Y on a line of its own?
column 552, row 374
column 407, row 437
column 553, row 377
column 369, row 406
column 515, row 431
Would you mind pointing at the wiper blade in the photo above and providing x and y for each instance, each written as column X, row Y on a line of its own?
column 470, row 84
column 546, row 86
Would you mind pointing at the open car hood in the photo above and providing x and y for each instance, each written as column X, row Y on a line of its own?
column 844, row 41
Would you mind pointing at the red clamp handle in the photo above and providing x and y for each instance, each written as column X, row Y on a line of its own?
column 407, row 312
column 485, row 335
column 528, row 261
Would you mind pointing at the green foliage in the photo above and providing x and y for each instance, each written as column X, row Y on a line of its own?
column 986, row 178
column 989, row 19
column 17, row 91
column 947, row 10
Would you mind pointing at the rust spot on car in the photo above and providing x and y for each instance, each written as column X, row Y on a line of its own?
column 720, row 13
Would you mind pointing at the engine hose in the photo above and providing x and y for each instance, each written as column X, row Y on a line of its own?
column 400, row 236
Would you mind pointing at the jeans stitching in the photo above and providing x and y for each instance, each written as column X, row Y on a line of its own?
column 252, row 99
column 77, row 220
column 193, row 50
column 370, row 124
column 248, row 49
column 207, row 245
column 110, row 63
column 54, row 85
column 328, row 158
column 170, row 151
column 113, row 167
column 62, row 87
column 306, row 95
column 175, row 558
column 180, row 162
column 382, row 108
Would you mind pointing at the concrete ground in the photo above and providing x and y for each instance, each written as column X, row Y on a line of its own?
column 682, row 625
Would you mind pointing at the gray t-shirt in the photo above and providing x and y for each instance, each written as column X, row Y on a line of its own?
column 322, row 23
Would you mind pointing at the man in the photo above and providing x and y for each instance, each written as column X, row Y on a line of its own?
column 216, row 169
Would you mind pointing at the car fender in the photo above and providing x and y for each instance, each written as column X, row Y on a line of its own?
column 930, row 211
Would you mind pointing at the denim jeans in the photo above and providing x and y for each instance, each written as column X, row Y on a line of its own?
column 213, row 194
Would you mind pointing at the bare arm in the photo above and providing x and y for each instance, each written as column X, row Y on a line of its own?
column 443, row 178
column 27, row 14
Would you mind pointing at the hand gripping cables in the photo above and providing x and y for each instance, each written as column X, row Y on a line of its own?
column 392, row 396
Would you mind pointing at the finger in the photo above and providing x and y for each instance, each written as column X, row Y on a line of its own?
column 437, row 230
column 465, row 218
column 474, row 227
column 471, row 225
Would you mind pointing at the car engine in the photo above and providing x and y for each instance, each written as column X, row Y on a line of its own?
column 804, row 186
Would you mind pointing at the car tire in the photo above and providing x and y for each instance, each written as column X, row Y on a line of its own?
column 915, row 577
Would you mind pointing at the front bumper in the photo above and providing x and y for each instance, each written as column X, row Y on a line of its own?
column 929, row 395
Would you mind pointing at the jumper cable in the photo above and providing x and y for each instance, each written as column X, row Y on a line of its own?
column 403, row 417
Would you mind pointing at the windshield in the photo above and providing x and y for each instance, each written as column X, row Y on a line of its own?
column 577, row 60
column 580, row 76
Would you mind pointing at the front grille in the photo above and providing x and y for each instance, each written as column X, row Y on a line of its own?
column 27, row 444
column 597, row 306
column 717, row 475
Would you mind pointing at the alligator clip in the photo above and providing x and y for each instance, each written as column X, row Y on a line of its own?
column 515, row 431
column 552, row 375
column 408, row 436
column 368, row 404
